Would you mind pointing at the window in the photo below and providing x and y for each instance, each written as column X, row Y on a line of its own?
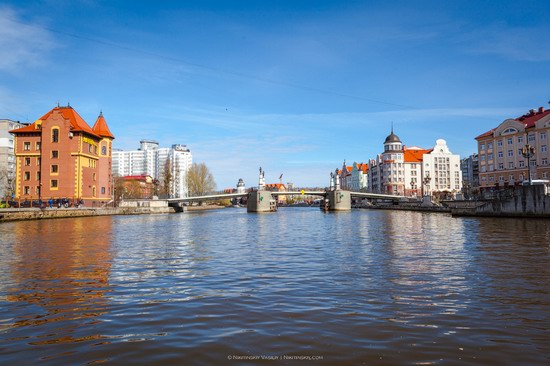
column 533, row 163
column 522, row 164
column 543, row 148
column 511, row 178
column 27, row 161
column 482, row 147
column 27, row 176
column 520, row 139
column 102, row 190
column 500, row 154
column 490, row 157
column 38, row 160
column 90, row 148
column 53, row 183
column 543, row 135
column 104, row 150
column 510, row 152
column 38, row 146
column 545, row 175
column 531, row 138
column 55, row 135
column 499, row 143
column 544, row 161
column 26, row 146
column 501, row 166
column 511, row 165
column 509, row 131
column 510, row 141
column 501, row 178
column 37, row 175
column 55, row 154
column 26, row 190
column 55, row 168
column 482, row 157
column 490, row 145
column 93, row 177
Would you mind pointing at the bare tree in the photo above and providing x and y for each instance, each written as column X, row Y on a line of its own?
column 199, row 180
column 167, row 178
column 7, row 185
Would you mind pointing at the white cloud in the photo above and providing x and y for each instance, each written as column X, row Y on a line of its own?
column 21, row 44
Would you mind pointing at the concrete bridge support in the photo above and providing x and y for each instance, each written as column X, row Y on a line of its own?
column 261, row 201
column 339, row 200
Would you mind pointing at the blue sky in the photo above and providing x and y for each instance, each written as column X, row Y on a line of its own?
column 293, row 86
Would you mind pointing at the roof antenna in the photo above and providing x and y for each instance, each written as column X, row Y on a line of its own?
column 58, row 104
column 101, row 112
column 68, row 103
column 391, row 126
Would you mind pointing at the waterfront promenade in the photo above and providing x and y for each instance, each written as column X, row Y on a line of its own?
column 378, row 287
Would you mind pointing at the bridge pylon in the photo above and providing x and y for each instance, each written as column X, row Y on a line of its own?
column 339, row 200
column 261, row 201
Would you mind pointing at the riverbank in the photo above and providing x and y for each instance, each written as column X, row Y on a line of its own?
column 16, row 214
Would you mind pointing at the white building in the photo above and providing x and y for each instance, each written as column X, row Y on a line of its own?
column 7, row 155
column 359, row 177
column 414, row 171
column 441, row 170
column 151, row 160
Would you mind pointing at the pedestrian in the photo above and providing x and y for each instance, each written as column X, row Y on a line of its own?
column 50, row 202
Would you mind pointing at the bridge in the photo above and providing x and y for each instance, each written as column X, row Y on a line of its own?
column 262, row 200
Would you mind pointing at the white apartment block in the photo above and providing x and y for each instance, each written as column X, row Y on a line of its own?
column 151, row 160
column 7, row 155
column 441, row 170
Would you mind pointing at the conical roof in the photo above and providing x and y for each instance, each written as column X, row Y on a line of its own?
column 101, row 128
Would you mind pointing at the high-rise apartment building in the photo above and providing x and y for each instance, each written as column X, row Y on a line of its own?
column 152, row 160
column 7, row 157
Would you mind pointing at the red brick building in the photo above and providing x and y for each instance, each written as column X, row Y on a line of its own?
column 61, row 156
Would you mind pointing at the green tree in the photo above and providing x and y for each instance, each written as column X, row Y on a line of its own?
column 199, row 180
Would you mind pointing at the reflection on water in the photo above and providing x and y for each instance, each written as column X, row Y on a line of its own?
column 373, row 287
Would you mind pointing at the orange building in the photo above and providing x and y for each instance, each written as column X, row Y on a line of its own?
column 61, row 156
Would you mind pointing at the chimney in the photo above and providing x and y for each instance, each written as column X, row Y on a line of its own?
column 541, row 109
column 532, row 112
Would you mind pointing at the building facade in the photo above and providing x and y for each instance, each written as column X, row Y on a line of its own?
column 7, row 157
column 152, row 160
column 441, row 170
column 502, row 151
column 61, row 156
column 408, row 171
column 470, row 171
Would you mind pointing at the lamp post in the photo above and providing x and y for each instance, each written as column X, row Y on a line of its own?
column 528, row 152
column 413, row 187
column 427, row 180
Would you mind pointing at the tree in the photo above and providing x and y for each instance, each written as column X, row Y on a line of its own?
column 199, row 180
column 167, row 178
column 7, row 184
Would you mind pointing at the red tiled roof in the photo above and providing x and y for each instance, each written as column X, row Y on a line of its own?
column 101, row 128
column 528, row 120
column 77, row 122
column 414, row 154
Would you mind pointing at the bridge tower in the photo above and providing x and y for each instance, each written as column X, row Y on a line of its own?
column 261, row 200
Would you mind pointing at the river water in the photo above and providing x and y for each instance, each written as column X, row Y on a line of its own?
column 294, row 287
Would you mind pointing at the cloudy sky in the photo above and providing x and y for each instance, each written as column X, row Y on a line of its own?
column 293, row 86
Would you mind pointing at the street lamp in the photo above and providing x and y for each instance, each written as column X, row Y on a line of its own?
column 413, row 186
column 427, row 180
column 528, row 152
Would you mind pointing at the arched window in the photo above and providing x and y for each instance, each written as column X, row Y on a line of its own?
column 103, row 150
column 509, row 131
